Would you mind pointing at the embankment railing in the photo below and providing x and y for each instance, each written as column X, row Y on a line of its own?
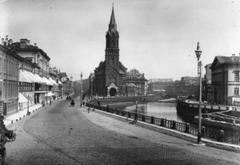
column 220, row 135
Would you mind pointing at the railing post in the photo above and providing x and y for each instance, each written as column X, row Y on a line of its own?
column 174, row 124
column 163, row 122
column 152, row 120
column 187, row 128
column 129, row 115
column 221, row 135
column 107, row 108
column 203, row 131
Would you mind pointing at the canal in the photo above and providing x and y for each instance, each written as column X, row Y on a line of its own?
column 157, row 109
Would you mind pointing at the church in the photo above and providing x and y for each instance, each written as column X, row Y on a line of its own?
column 111, row 78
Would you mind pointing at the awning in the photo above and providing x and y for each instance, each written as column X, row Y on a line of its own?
column 40, row 79
column 24, row 76
column 50, row 94
column 21, row 98
column 33, row 77
column 47, row 81
column 53, row 81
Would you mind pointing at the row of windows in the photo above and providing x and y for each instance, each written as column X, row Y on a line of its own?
column 23, row 86
column 11, row 89
column 11, row 66
column 236, row 76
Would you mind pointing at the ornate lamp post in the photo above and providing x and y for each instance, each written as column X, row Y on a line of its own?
column 198, row 53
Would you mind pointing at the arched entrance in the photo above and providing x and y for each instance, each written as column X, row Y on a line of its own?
column 113, row 92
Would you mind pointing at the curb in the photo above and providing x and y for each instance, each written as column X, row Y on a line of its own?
column 8, row 122
column 21, row 116
column 174, row 133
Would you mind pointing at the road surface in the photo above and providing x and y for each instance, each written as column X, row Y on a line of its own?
column 61, row 134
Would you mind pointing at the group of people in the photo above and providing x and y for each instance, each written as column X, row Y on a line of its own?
column 72, row 102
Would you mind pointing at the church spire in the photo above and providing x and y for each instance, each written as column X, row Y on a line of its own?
column 112, row 24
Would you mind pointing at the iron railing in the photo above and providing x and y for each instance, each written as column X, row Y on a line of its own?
column 207, row 132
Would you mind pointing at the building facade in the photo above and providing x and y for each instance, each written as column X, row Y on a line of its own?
column 8, row 79
column 186, row 86
column 135, row 83
column 159, row 86
column 226, row 80
column 207, row 84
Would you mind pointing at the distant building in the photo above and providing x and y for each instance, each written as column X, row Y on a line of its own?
column 110, row 78
column 207, row 84
column 8, row 79
column 156, row 86
column 187, row 86
column 226, row 80
column 57, row 85
column 134, row 83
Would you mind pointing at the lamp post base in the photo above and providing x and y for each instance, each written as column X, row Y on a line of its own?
column 199, row 138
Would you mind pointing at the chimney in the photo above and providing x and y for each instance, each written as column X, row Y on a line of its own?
column 10, row 41
column 6, row 38
column 2, row 42
column 23, row 43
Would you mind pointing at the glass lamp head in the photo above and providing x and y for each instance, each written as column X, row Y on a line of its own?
column 198, row 51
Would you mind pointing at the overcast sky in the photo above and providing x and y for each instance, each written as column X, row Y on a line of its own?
column 157, row 37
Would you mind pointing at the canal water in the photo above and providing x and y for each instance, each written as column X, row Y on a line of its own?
column 168, row 111
column 157, row 109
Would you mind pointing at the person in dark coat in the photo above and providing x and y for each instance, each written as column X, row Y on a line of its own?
column 72, row 102
column 5, row 136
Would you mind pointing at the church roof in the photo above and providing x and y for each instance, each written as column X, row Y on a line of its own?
column 122, row 67
column 112, row 24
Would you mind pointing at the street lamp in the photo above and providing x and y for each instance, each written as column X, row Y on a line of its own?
column 81, row 89
column 198, row 53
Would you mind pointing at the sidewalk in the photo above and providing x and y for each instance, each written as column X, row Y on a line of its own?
column 20, row 114
column 166, row 131
column 23, row 113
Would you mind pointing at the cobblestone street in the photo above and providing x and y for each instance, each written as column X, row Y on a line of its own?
column 60, row 134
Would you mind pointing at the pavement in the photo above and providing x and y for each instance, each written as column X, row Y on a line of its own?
column 174, row 133
column 61, row 134
column 10, row 119
column 21, row 114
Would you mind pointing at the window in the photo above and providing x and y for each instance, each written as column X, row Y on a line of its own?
column 236, row 91
column 236, row 76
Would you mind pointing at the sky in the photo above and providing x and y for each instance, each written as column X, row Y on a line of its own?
column 157, row 37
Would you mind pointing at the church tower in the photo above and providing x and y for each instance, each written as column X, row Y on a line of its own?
column 112, row 48
column 112, row 64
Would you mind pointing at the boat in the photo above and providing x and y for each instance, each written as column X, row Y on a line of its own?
column 170, row 100
column 188, row 109
column 226, row 120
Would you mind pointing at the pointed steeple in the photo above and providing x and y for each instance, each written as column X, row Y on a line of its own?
column 112, row 24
